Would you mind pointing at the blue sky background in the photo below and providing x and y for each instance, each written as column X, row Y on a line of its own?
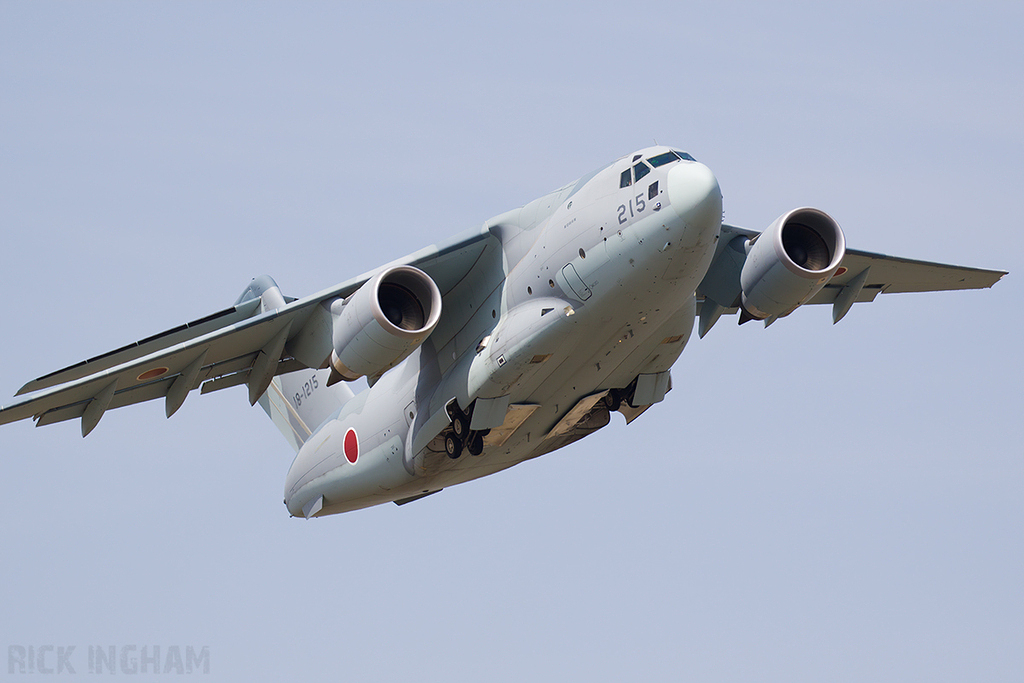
column 809, row 503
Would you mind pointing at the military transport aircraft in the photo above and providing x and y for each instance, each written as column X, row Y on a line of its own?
column 499, row 345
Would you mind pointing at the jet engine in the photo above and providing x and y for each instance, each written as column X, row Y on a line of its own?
column 383, row 322
column 790, row 262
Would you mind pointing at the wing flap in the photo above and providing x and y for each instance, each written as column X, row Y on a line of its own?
column 148, row 392
column 160, row 388
column 224, row 381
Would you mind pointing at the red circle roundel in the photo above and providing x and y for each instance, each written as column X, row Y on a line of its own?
column 351, row 446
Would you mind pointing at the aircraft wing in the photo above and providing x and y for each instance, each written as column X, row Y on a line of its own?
column 240, row 345
column 864, row 275
column 892, row 275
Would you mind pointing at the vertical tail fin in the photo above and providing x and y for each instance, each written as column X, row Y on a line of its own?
column 301, row 401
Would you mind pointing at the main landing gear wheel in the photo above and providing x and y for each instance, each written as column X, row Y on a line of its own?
column 476, row 443
column 460, row 424
column 613, row 400
column 452, row 446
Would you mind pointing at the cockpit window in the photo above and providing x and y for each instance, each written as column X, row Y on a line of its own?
column 663, row 159
column 669, row 157
column 640, row 170
column 625, row 180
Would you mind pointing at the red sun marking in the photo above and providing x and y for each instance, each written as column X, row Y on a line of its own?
column 840, row 270
column 151, row 374
column 351, row 446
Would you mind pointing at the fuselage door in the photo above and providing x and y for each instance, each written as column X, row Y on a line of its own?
column 576, row 283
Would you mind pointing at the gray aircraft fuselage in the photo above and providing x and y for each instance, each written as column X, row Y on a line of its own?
column 592, row 287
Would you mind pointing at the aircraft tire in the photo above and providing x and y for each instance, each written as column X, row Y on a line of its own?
column 613, row 400
column 476, row 443
column 460, row 424
column 452, row 446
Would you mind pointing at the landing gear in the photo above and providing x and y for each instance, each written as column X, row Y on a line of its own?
column 476, row 443
column 460, row 420
column 460, row 424
column 613, row 400
column 452, row 446
column 460, row 435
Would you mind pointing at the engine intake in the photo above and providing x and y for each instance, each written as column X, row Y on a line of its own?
column 790, row 262
column 383, row 322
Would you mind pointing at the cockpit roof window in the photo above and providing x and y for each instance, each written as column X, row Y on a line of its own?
column 640, row 170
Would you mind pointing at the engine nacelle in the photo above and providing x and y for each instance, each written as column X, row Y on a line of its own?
column 790, row 262
column 383, row 322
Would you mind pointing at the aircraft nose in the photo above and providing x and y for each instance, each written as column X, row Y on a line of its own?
column 694, row 194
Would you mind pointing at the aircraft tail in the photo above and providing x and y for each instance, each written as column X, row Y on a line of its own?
column 301, row 401
column 298, row 402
